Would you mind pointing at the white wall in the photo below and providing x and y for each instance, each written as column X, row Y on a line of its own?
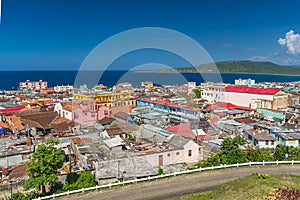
column 63, row 113
column 245, row 99
column 262, row 144
column 213, row 95
column 171, row 157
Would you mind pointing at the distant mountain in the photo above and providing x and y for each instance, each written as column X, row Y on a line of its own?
column 240, row 66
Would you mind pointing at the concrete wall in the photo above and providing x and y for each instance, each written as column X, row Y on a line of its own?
column 246, row 99
column 213, row 95
column 175, row 156
column 63, row 113
column 262, row 144
column 103, row 112
column 84, row 118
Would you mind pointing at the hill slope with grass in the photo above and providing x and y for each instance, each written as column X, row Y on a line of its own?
column 256, row 186
column 239, row 66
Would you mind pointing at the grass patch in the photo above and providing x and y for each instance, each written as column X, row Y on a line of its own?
column 256, row 186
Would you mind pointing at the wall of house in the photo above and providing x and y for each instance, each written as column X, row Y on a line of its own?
column 67, row 114
column 249, row 100
column 103, row 111
column 294, row 143
column 213, row 94
column 280, row 101
column 11, row 160
column 63, row 113
column 262, row 144
column 175, row 156
column 84, row 118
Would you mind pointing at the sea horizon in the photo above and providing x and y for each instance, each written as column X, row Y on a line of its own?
column 112, row 77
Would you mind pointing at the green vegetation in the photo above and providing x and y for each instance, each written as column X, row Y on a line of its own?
column 256, row 186
column 21, row 196
column 42, row 169
column 75, row 181
column 240, row 66
column 130, row 137
column 231, row 154
column 160, row 171
column 197, row 93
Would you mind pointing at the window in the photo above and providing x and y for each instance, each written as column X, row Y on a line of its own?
column 267, row 142
column 272, row 142
column 177, row 153
column 190, row 153
column 169, row 155
column 75, row 116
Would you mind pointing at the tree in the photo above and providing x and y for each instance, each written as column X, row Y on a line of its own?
column 259, row 155
column 197, row 93
column 280, row 152
column 84, row 180
column 230, row 154
column 42, row 169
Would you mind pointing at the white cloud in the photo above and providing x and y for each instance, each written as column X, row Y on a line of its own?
column 250, row 49
column 226, row 45
column 259, row 58
column 291, row 42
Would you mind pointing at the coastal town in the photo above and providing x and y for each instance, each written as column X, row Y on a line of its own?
column 125, row 132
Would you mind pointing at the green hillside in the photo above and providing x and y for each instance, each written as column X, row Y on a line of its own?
column 253, row 187
column 240, row 66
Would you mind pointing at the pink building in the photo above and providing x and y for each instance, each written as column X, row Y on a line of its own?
column 87, row 113
column 103, row 111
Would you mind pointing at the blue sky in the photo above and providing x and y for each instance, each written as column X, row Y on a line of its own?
column 59, row 34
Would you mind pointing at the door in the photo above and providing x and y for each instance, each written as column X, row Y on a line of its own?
column 160, row 160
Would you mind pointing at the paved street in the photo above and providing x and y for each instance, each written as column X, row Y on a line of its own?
column 182, row 185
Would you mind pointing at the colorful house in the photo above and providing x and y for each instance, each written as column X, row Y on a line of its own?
column 260, row 139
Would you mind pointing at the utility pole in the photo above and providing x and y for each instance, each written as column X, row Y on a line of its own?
column 118, row 169
column 70, row 158
column 11, row 192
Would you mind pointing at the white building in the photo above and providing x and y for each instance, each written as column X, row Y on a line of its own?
column 63, row 88
column 191, row 86
column 183, row 151
column 252, row 97
column 213, row 92
column 33, row 85
column 64, row 109
column 246, row 82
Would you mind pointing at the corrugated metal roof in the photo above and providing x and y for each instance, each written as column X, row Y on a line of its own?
column 251, row 90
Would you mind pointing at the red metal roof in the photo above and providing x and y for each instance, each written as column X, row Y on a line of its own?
column 185, row 131
column 222, row 114
column 251, row 90
column 212, row 120
column 14, row 109
column 228, row 106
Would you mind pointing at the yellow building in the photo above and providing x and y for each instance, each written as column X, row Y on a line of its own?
column 109, row 99
column 83, row 96
column 147, row 84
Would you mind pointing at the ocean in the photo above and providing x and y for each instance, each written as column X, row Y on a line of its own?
column 10, row 79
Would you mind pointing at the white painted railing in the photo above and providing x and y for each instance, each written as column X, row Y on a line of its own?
column 168, row 175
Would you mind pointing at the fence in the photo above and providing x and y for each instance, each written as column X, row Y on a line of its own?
column 169, row 175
